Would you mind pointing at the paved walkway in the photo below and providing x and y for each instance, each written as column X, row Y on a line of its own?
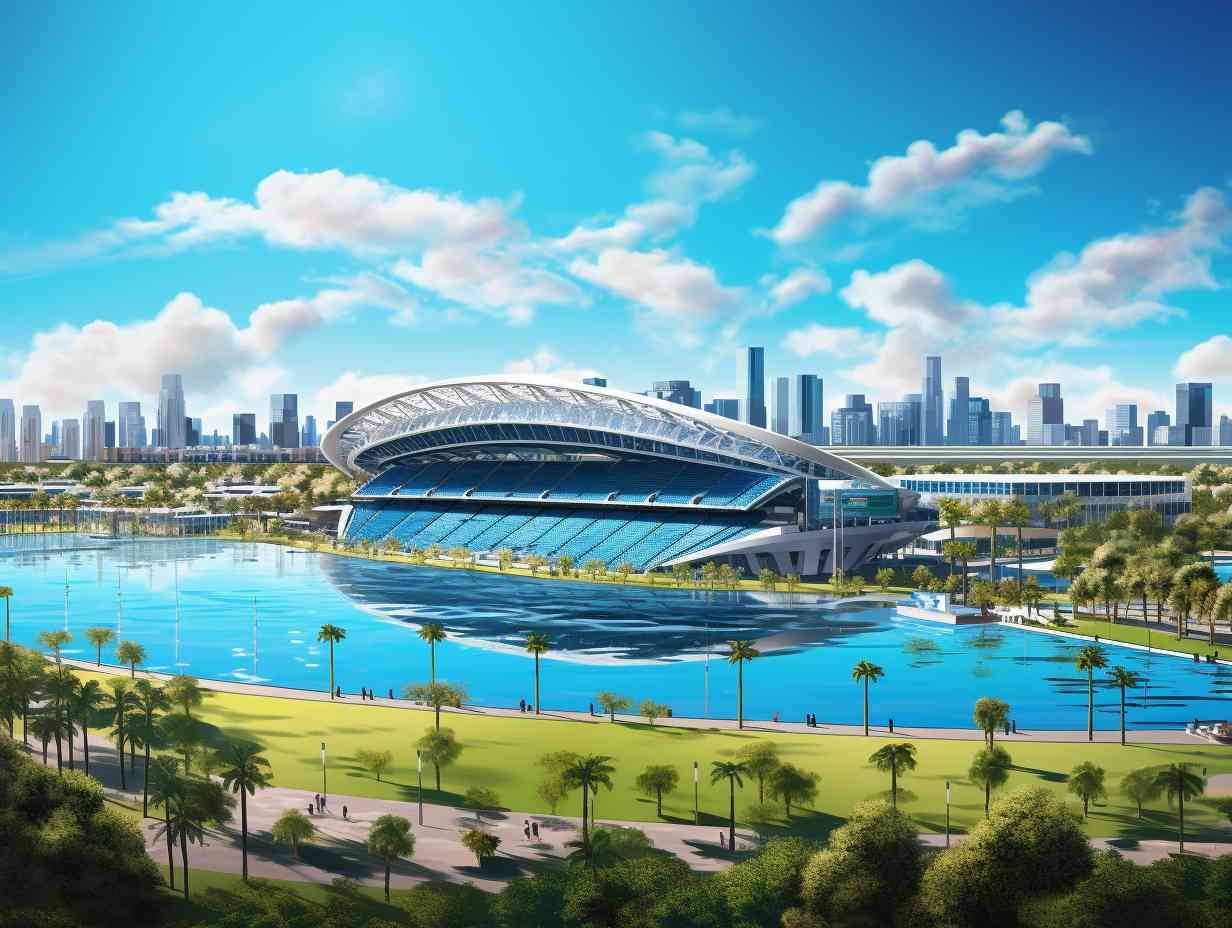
column 1139, row 736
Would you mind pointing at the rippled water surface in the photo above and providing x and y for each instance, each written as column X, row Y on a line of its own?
column 250, row 612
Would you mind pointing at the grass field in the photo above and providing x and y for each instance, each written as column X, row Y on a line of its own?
column 501, row 753
column 1159, row 638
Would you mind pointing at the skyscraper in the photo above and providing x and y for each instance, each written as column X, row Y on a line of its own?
column 130, row 426
column 244, row 428
column 8, row 431
column 1046, row 416
column 754, row 376
column 1121, row 421
column 956, row 429
column 676, row 391
column 780, row 405
column 979, row 421
column 70, row 439
column 192, row 431
column 284, row 420
column 31, row 435
column 807, row 419
column 932, row 429
column 1193, row 412
column 727, row 407
column 308, row 436
column 1153, row 422
column 94, row 431
column 1225, row 431
column 1002, row 428
column 898, row 423
column 171, row 425
column 853, row 424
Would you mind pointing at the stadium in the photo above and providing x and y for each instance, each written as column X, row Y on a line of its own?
column 555, row 469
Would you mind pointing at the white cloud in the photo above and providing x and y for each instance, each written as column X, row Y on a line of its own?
column 797, row 286
column 1208, row 360
column 721, row 119
column 671, row 286
column 913, row 293
column 548, row 363
column 841, row 341
column 654, row 219
column 902, row 183
column 496, row 281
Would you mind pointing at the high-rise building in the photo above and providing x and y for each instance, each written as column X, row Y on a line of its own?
column 852, row 424
column 1121, row 421
column 1046, row 416
column 1225, row 431
column 171, row 418
column 308, row 435
column 8, row 431
column 109, row 434
column 31, row 448
column 54, row 438
column 956, row 429
column 727, row 407
column 130, row 426
column 284, row 420
column 590, row 382
column 754, row 377
column 94, row 430
column 1002, row 428
column 244, row 428
column 979, row 421
column 932, row 428
column 70, row 439
column 676, row 391
column 1193, row 412
column 192, row 431
column 807, row 419
column 780, row 405
column 1153, row 421
column 898, row 423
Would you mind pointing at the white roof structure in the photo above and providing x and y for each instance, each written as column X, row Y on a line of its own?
column 507, row 412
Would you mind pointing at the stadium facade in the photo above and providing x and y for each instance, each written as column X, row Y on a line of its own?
column 545, row 467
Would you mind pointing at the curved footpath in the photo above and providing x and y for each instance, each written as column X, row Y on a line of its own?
column 1141, row 736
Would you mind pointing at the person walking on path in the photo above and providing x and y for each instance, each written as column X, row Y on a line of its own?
column 344, row 814
column 534, row 830
column 526, row 828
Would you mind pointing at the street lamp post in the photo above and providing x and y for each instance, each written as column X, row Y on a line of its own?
column 947, row 813
column 419, row 793
column 324, row 791
column 696, row 794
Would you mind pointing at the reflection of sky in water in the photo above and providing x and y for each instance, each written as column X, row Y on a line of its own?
column 641, row 642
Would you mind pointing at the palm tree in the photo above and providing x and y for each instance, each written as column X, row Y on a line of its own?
column 737, row 653
column 894, row 757
column 989, row 715
column 164, row 784
column 612, row 703
column 184, row 691
column 965, row 552
column 117, row 703
column 390, row 838
column 1086, row 781
column 440, row 748
column 589, row 773
column 992, row 514
column 55, row 642
column 866, row 672
column 131, row 653
column 1091, row 658
column 147, row 700
column 333, row 634
column 1125, row 679
column 244, row 771
column 1018, row 514
column 954, row 512
column 1179, row 783
column 436, row 695
column 721, row 770
column 1140, row 786
column 100, row 637
column 990, row 768
column 88, row 700
column 190, row 806
column 537, row 644
column 432, row 632
column 6, row 593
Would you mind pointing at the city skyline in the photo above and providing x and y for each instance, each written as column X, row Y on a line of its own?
column 1042, row 230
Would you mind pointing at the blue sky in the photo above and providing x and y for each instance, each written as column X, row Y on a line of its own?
column 340, row 201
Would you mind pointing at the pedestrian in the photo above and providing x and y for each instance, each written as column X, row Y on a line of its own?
column 1014, row 725
column 338, row 691
column 316, row 800
column 722, row 839
column 521, row 705
column 344, row 813
column 776, row 718
column 592, row 708
column 526, row 828
column 309, row 809
column 891, row 726
column 391, row 692
column 534, row 830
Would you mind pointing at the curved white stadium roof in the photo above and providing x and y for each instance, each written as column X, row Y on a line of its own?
column 498, row 410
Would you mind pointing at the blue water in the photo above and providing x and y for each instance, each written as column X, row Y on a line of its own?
column 639, row 642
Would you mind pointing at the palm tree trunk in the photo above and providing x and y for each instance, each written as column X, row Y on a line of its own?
column 433, row 645
column 85, row 744
column 740, row 694
column 437, row 767
column 659, row 803
column 438, row 716
column 123, row 780
column 893, row 787
column 1122, row 715
column 1181, row 806
column 331, row 670
column 866, row 707
column 145, row 784
column 537, row 706
column 987, row 797
column 585, row 816
column 170, row 847
column 184, row 858
column 731, row 822
column 387, row 879
column 1020, row 559
column 59, row 757
column 1090, row 706
column 244, row 839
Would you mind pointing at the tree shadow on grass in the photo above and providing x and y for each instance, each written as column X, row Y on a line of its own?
column 499, row 867
column 1049, row 776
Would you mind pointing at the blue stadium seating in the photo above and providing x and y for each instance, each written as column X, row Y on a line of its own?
column 579, row 546
column 556, row 537
column 419, row 483
column 464, row 477
column 494, row 535
column 506, row 478
column 651, row 547
column 387, row 481
column 693, row 481
column 590, row 480
column 408, row 531
column 547, row 476
column 611, row 550
column 637, row 483
column 534, row 528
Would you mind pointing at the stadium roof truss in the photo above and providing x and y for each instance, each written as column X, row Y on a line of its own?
column 502, row 410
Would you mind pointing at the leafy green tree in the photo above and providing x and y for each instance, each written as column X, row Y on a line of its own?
column 759, row 759
column 185, row 692
column 243, row 770
column 760, row 889
column 990, row 769
column 651, row 710
column 334, row 635
column 192, row 806
column 866, row 672
column 1118, row 894
column 733, row 773
column 481, row 799
column 553, row 787
column 1180, row 784
column 612, row 703
column 953, row 512
column 480, row 843
column 609, row 845
column 184, row 734
column 54, row 641
column 432, row 633
column 100, row 637
column 390, row 838
column 293, row 827
column 921, row 577
column 148, row 701
column 738, row 653
column 537, row 644
column 437, row 695
column 375, row 762
column 1090, row 659
column 1086, row 781
column 894, row 758
column 439, row 747
column 1017, row 514
column 989, row 715
column 588, row 773
column 791, row 785
column 885, row 578
column 656, row 780
column 1141, row 786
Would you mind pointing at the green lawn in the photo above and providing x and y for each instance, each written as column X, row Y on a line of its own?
column 1159, row 638
column 501, row 753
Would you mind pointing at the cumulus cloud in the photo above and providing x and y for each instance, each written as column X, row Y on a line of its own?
column 671, row 286
column 548, row 363
column 913, row 293
column 841, row 341
column 1208, row 360
column 720, row 120
column 654, row 219
column 899, row 184
column 797, row 286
